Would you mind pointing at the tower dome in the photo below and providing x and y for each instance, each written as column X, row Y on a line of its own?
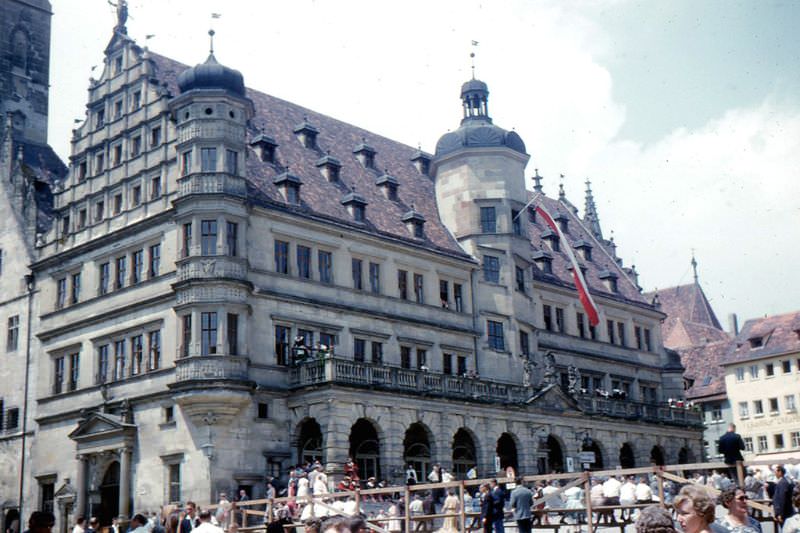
column 211, row 75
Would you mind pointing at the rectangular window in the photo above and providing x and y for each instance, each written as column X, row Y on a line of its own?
column 795, row 437
column 231, row 238
column 458, row 297
column 136, row 102
column 208, row 237
column 560, row 325
column 778, row 441
column 99, row 163
column 12, row 421
column 462, row 365
column 65, row 226
column 744, row 410
column 122, row 269
column 580, row 320
column 155, row 187
column 116, row 155
column 422, row 359
column 137, row 355
column 753, row 371
column 405, row 357
column 773, row 406
column 610, row 331
column 762, row 443
column 516, row 222
column 263, row 410
column 208, row 333
column 444, row 293
column 524, row 343
column 138, row 266
column 495, row 335
column 155, row 136
column 282, row 345
column 740, row 374
column 519, row 274
column 12, row 338
column 377, row 353
column 118, row 203
column 788, row 401
column 769, row 369
column 99, row 209
column 325, row 260
column 208, row 159
column 100, row 118
column 356, row 269
column 447, row 363
column 488, row 220
column 787, row 366
column 716, row 413
column 136, row 145
column 118, row 109
column 74, row 371
column 233, row 334
column 174, row 482
column 231, row 162
column 119, row 360
column 327, row 339
column 648, row 343
column 491, row 269
column 637, row 335
column 102, row 364
column 419, row 289
column 758, row 407
column 748, row 444
column 402, row 284
column 304, row 261
column 186, row 162
column 58, row 375
column 592, row 332
column 187, row 240
column 82, row 219
column 76, row 288
column 154, row 358
column 621, row 331
column 155, row 261
column 547, row 317
column 282, row 257
column 375, row 278
column 61, row 293
column 359, row 347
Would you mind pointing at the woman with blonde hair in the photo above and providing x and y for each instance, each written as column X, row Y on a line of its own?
column 695, row 508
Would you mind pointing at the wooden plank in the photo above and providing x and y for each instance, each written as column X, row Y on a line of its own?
column 568, row 486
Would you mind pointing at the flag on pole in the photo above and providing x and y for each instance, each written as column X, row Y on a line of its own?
column 583, row 291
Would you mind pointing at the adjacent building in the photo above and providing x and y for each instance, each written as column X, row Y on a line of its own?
column 225, row 284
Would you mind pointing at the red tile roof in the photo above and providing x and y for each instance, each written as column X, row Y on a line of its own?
column 779, row 334
column 702, row 365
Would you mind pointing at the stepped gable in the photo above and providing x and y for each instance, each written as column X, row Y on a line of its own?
column 766, row 337
column 278, row 119
column 703, row 367
column 601, row 261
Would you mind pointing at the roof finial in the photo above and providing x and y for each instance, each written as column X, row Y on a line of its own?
column 211, row 38
column 537, row 180
column 590, row 216
column 694, row 267
column 472, row 57
column 561, row 195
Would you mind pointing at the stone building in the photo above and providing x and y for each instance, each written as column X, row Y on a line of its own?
column 232, row 283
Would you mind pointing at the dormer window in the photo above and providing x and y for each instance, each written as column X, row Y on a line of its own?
column 756, row 342
column 356, row 206
column 609, row 280
column 330, row 168
column 365, row 154
column 415, row 223
column 422, row 161
column 551, row 237
column 388, row 185
column 307, row 134
column 264, row 147
column 563, row 221
column 584, row 249
column 289, row 186
column 544, row 261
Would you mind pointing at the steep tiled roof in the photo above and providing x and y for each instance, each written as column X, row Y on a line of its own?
column 702, row 365
column 690, row 319
column 777, row 335
column 278, row 119
column 44, row 168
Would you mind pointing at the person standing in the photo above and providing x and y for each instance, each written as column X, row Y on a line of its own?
column 487, row 508
column 521, row 501
column 730, row 446
column 411, row 475
column 498, row 501
column 80, row 522
column 186, row 525
column 782, row 498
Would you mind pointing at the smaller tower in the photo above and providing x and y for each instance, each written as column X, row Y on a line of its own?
column 590, row 216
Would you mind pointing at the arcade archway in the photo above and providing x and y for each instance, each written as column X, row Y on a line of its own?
column 365, row 448
column 464, row 453
column 417, row 449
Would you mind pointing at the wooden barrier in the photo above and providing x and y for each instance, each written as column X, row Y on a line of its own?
column 672, row 473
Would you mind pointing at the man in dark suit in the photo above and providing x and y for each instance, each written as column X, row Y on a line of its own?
column 782, row 499
column 487, row 508
column 499, row 502
column 187, row 523
column 730, row 445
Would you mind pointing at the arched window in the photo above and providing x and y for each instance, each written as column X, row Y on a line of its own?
column 417, row 450
column 309, row 442
column 365, row 449
column 464, row 453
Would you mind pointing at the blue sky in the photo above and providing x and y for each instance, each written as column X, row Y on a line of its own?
column 684, row 114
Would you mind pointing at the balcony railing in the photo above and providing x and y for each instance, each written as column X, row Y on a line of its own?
column 211, row 183
column 348, row 372
column 211, row 368
column 638, row 410
column 212, row 267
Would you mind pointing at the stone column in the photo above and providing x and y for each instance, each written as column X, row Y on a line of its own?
column 80, row 485
column 125, row 483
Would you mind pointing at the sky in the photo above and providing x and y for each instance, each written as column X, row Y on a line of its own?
column 685, row 115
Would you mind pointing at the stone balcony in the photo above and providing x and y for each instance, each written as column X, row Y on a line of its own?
column 210, row 267
column 633, row 410
column 211, row 183
column 212, row 386
column 212, row 368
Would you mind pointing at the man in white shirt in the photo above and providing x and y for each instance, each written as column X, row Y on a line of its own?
column 644, row 494
column 80, row 524
column 205, row 524
column 411, row 476
column 627, row 496
column 611, row 490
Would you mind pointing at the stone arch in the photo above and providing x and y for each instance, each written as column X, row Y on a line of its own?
column 310, row 440
column 627, row 456
column 109, row 494
column 507, row 450
column 464, row 452
column 365, row 448
column 418, row 448
column 592, row 445
column 685, row 455
column 554, row 455
column 657, row 455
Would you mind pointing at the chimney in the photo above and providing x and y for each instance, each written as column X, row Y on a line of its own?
column 733, row 324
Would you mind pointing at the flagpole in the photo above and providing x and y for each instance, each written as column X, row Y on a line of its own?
column 535, row 197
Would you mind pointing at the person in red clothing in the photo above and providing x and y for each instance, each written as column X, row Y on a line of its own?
column 351, row 470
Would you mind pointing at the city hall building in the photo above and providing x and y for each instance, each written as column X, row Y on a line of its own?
column 222, row 284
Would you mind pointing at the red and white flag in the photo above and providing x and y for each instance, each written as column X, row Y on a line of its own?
column 583, row 291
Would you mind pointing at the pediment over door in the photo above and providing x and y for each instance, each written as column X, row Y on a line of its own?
column 553, row 398
column 100, row 431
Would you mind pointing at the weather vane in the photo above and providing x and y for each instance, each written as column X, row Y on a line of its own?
column 472, row 57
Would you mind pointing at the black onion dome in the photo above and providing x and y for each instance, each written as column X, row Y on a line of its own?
column 211, row 75
column 472, row 135
column 474, row 85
